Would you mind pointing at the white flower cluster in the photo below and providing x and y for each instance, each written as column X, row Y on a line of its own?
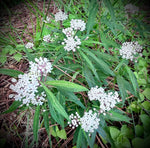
column 129, row 8
column 78, row 24
column 47, row 38
column 75, row 120
column 48, row 20
column 130, row 50
column 90, row 121
column 72, row 42
column 107, row 100
column 26, row 89
column 40, row 67
column 60, row 16
column 29, row 45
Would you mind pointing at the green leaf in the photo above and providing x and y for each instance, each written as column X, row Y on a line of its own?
column 54, row 102
column 102, row 65
column 116, row 116
column 93, row 8
column 13, row 107
column 122, row 142
column 146, row 122
column 146, row 105
column 17, row 57
column 62, row 134
column 114, row 132
column 10, row 72
column 89, row 63
column 146, row 93
column 66, row 85
column 110, row 8
column 72, row 97
column 139, row 130
column 133, row 80
column 120, row 81
column 80, row 138
column 127, row 132
column 89, row 77
column 36, row 124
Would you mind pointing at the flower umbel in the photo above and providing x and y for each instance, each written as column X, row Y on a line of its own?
column 90, row 121
column 107, row 100
column 71, row 43
column 29, row 45
column 130, row 50
column 60, row 16
column 40, row 67
column 77, row 24
column 26, row 89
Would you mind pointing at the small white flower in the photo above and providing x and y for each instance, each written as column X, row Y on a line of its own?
column 29, row 45
column 47, row 38
column 75, row 120
column 48, row 20
column 60, row 16
column 68, row 32
column 78, row 24
column 13, row 80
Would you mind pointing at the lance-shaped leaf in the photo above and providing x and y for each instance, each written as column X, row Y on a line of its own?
column 54, row 102
column 36, row 124
column 10, row 72
column 13, row 107
column 65, row 85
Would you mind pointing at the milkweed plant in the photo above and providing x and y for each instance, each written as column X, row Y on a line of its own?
column 79, row 74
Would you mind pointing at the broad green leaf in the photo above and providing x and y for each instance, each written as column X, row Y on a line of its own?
column 17, row 57
column 66, row 85
column 36, row 124
column 146, row 93
column 54, row 102
column 13, row 107
column 141, row 143
column 127, row 132
column 62, row 134
column 10, row 72
column 139, row 130
column 102, row 65
column 120, row 81
column 93, row 8
column 146, row 105
column 114, row 132
column 122, row 142
column 89, row 63
column 146, row 122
